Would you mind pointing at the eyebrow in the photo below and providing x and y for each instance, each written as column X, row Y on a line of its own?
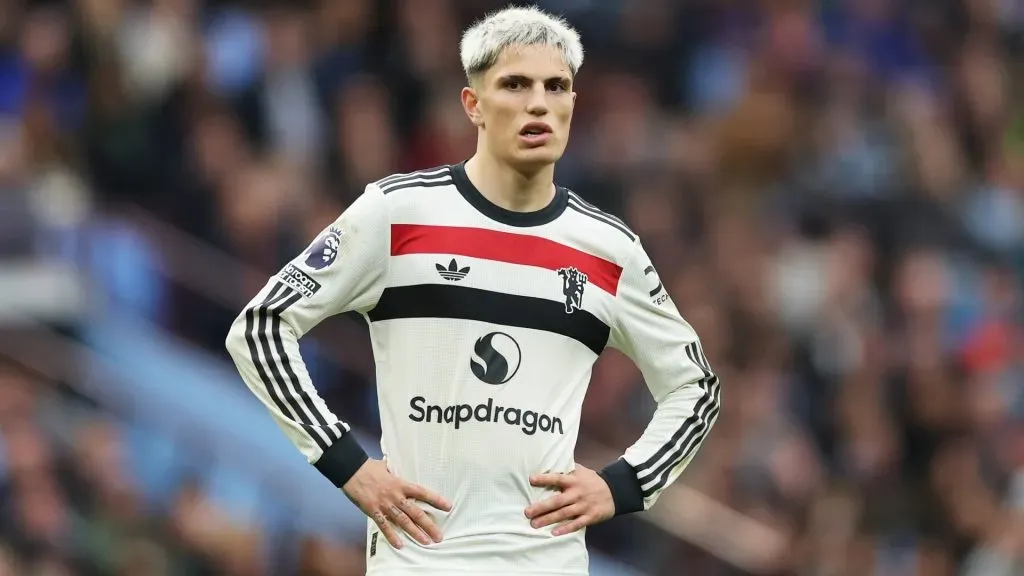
column 526, row 79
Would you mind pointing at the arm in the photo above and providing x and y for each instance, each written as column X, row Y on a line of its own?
column 345, row 269
column 650, row 330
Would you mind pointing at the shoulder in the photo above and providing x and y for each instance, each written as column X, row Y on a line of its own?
column 427, row 178
column 612, row 232
column 606, row 221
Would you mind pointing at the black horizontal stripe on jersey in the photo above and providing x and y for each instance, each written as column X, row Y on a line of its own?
column 465, row 303
column 689, row 434
column 588, row 210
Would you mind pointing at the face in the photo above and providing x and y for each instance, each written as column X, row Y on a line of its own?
column 523, row 104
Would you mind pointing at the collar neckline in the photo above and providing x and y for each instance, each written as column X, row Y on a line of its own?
column 511, row 217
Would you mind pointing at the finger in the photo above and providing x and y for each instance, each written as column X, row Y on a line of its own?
column 560, row 515
column 422, row 520
column 578, row 524
column 423, row 495
column 562, row 481
column 387, row 529
column 550, row 504
column 402, row 520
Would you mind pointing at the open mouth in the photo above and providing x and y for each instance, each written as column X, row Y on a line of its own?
column 535, row 129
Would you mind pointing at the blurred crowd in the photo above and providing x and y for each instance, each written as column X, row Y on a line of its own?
column 71, row 504
column 832, row 190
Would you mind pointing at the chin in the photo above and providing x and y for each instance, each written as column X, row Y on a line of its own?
column 535, row 158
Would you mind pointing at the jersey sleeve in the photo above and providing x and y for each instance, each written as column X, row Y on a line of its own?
column 649, row 329
column 344, row 269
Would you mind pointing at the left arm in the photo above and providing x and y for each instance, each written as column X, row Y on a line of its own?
column 667, row 351
column 647, row 328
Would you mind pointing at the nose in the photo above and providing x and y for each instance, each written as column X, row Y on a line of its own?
column 538, row 103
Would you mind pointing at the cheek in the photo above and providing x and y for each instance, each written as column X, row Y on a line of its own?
column 565, row 113
column 501, row 121
column 496, row 116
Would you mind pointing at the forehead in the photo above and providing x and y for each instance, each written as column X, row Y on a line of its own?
column 539, row 61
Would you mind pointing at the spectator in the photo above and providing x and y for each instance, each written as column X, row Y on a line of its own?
column 832, row 192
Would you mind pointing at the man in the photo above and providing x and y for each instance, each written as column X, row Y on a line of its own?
column 490, row 292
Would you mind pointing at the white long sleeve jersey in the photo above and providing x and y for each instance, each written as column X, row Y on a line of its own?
column 485, row 325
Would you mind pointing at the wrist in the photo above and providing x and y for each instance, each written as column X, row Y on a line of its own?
column 627, row 494
column 341, row 460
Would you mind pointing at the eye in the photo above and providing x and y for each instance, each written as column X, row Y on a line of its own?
column 557, row 87
column 515, row 85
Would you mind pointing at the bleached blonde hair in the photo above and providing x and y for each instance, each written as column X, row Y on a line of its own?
column 483, row 42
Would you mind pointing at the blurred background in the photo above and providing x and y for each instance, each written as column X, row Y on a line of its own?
column 833, row 191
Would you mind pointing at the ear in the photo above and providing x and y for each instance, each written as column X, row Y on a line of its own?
column 471, row 104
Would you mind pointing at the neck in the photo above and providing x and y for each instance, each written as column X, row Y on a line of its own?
column 509, row 188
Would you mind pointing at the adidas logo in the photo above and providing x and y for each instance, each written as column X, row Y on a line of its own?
column 452, row 273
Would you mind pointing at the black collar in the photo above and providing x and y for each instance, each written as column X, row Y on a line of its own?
column 503, row 215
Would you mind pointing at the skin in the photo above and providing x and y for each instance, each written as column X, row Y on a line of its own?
column 526, row 84
column 392, row 503
column 583, row 499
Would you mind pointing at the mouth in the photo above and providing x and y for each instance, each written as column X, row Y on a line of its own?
column 535, row 135
column 534, row 129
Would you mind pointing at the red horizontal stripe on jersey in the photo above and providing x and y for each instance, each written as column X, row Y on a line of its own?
column 503, row 247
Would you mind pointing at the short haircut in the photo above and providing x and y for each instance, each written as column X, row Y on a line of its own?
column 483, row 42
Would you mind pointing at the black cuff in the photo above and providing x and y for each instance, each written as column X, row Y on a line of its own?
column 627, row 493
column 341, row 460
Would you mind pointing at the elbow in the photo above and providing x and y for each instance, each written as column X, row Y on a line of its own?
column 236, row 342
column 715, row 393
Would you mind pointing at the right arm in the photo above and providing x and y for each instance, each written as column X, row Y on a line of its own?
column 344, row 269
